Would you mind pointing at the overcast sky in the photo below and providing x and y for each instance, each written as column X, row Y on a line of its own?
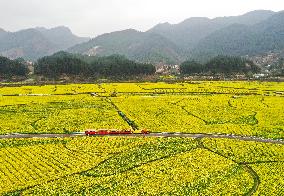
column 94, row 17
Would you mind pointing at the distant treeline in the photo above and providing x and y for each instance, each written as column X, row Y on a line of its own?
column 10, row 68
column 70, row 64
column 63, row 63
column 220, row 64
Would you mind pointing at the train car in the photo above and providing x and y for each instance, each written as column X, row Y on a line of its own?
column 145, row 131
column 126, row 132
column 97, row 132
column 112, row 132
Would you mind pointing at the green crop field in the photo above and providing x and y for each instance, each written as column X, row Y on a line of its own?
column 144, row 165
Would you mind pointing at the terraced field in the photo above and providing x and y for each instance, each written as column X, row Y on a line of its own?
column 143, row 165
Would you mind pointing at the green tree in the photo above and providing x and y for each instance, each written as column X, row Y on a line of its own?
column 230, row 64
column 191, row 67
column 114, row 65
column 12, row 68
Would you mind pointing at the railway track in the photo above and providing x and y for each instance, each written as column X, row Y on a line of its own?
column 183, row 135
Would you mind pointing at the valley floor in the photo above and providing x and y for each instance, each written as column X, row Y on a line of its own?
column 245, row 157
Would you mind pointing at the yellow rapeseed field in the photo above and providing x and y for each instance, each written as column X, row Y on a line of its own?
column 113, row 165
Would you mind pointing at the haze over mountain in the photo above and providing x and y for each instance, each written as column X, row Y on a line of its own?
column 199, row 38
column 36, row 42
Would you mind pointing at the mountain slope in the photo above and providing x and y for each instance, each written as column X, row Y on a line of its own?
column 34, row 43
column 26, row 43
column 196, row 37
column 262, row 37
column 62, row 37
column 189, row 32
column 2, row 32
column 144, row 47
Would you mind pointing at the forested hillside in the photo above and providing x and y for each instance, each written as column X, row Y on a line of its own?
column 69, row 64
column 139, row 46
column 197, row 38
column 10, row 68
column 242, row 40
column 254, row 33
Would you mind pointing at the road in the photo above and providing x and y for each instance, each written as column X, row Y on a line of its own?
column 183, row 135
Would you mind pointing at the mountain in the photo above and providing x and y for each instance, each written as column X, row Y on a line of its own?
column 139, row 46
column 36, row 42
column 62, row 37
column 2, row 33
column 189, row 32
column 253, row 33
column 196, row 37
column 238, row 39
column 28, row 43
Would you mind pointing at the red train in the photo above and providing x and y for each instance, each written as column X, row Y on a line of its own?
column 112, row 132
